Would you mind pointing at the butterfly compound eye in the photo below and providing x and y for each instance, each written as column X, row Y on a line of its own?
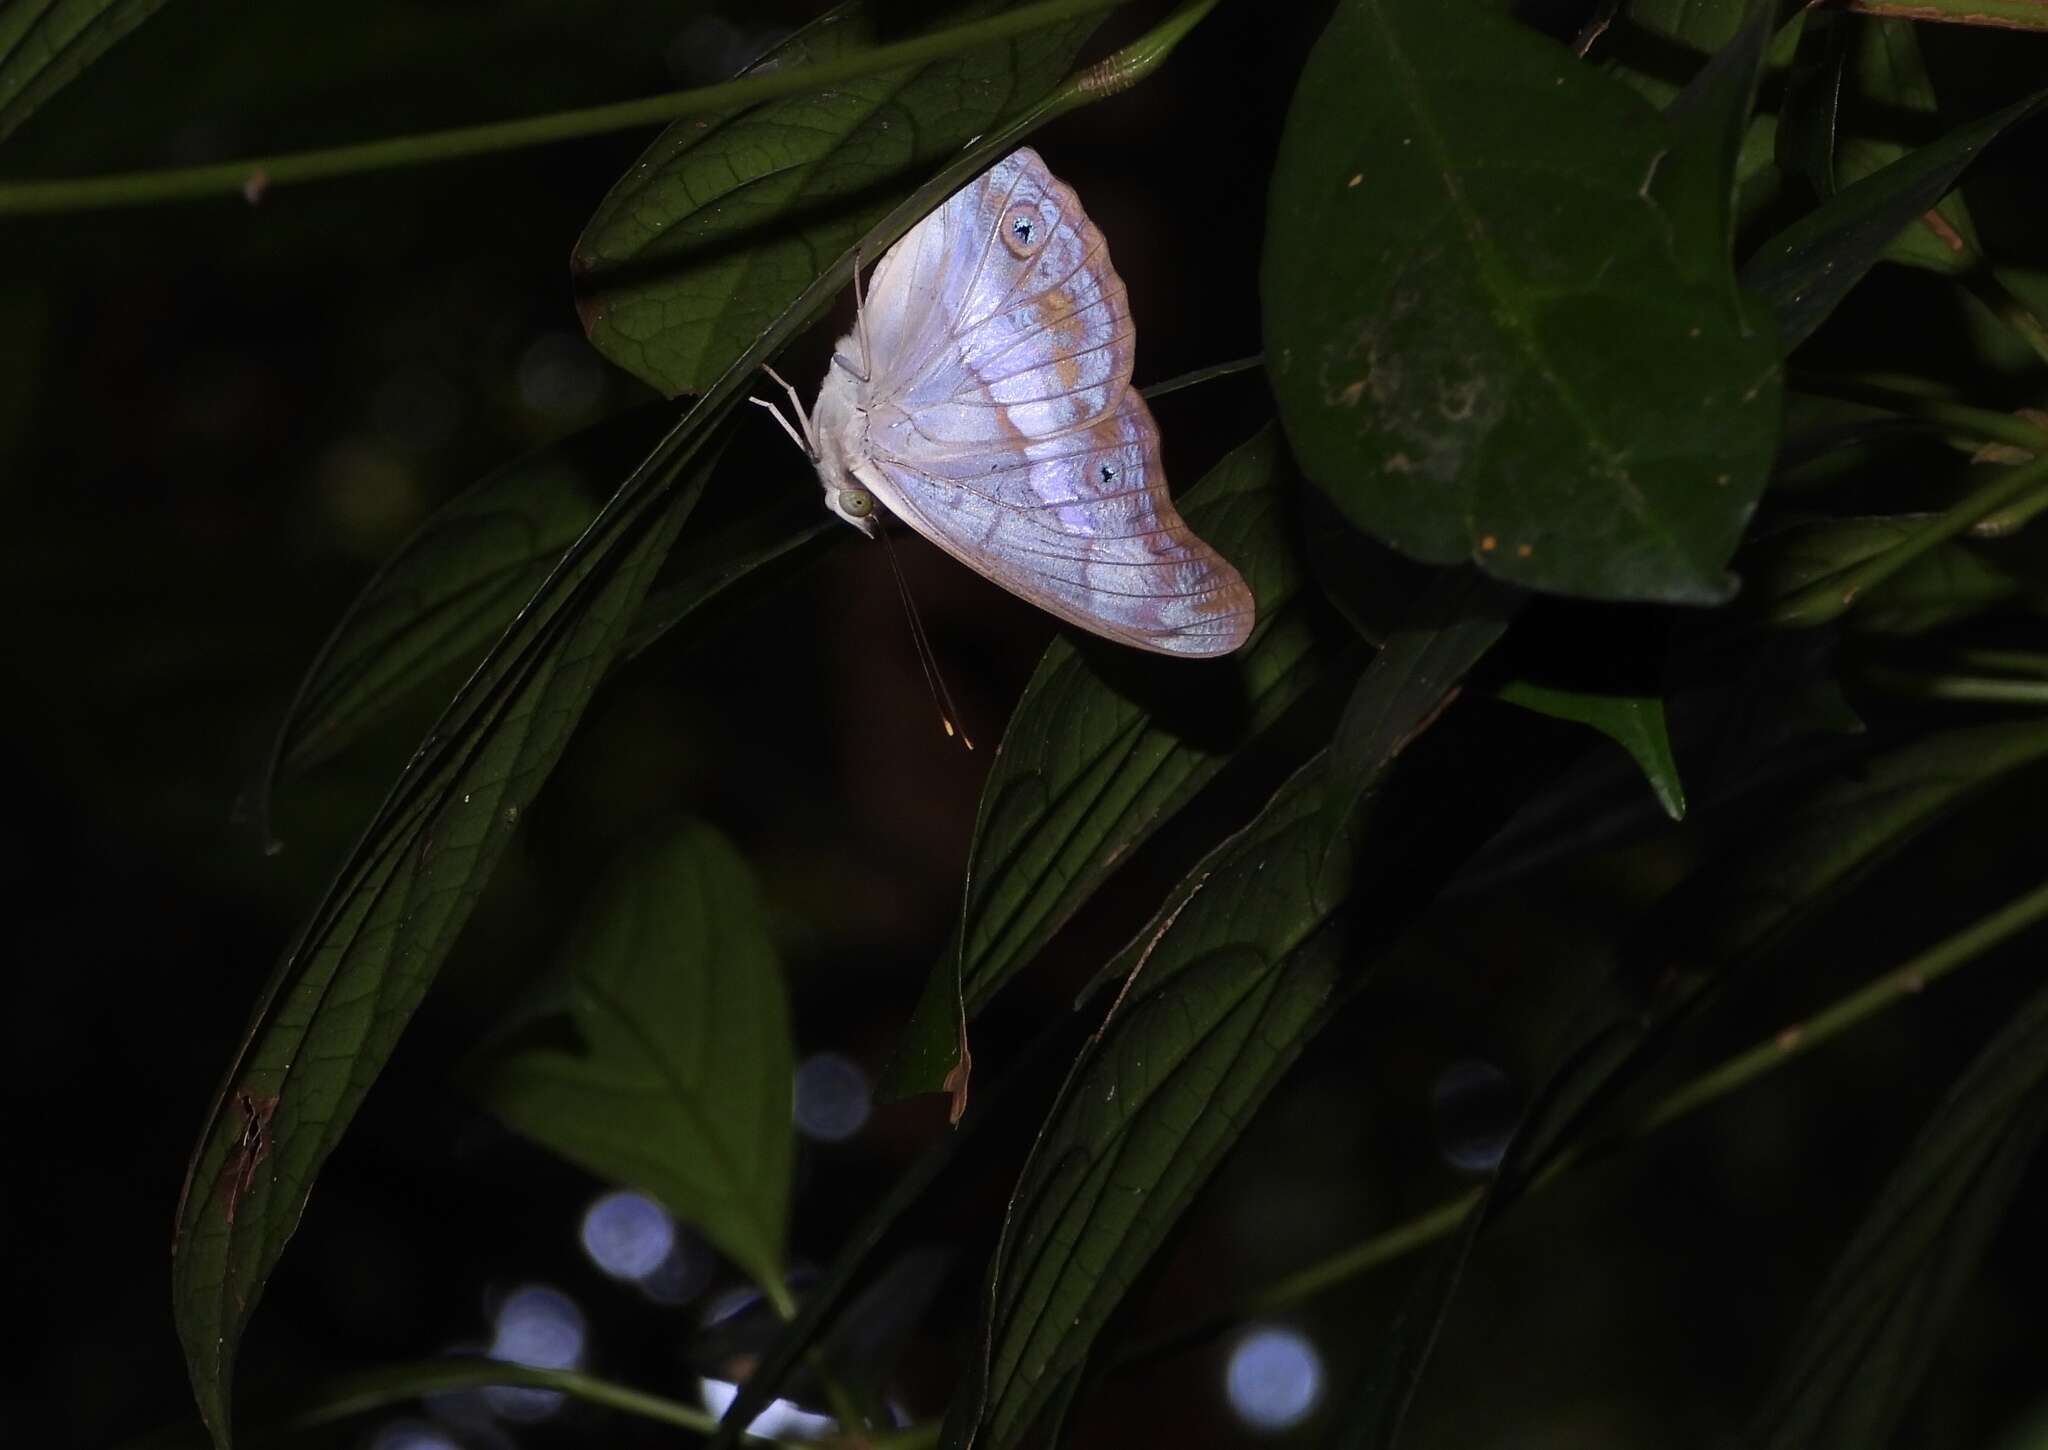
column 855, row 504
column 1024, row 231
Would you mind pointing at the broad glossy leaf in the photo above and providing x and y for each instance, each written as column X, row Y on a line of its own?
column 455, row 585
column 1806, row 270
column 44, row 44
column 1878, row 1321
column 1106, row 745
column 1238, row 971
column 721, row 223
column 1634, row 722
column 1489, row 337
column 659, row 1057
column 393, row 911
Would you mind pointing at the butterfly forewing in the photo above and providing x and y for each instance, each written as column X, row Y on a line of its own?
column 999, row 316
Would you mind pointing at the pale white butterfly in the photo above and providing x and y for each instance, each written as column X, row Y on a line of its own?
column 985, row 398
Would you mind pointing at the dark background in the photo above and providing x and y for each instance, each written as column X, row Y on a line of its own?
column 217, row 419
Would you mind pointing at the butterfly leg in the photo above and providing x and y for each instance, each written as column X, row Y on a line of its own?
column 808, row 440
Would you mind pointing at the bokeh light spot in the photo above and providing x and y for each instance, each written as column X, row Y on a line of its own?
column 1274, row 1378
column 411, row 1435
column 542, row 1327
column 1475, row 1108
column 628, row 1235
column 833, row 1097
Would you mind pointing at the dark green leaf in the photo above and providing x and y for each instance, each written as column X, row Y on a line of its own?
column 1709, row 119
column 1107, row 745
column 1806, row 270
column 44, row 44
column 335, row 1007
column 1489, row 338
column 733, row 565
column 1238, row 971
column 672, row 1070
column 721, row 223
column 1810, row 114
column 455, row 585
column 1878, row 1321
column 1634, row 722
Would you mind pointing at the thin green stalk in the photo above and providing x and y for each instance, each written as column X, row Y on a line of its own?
column 1973, row 688
column 1203, row 375
column 2011, row 661
column 398, row 1384
column 257, row 174
column 1896, row 985
column 1983, row 284
column 1912, row 398
column 1827, row 599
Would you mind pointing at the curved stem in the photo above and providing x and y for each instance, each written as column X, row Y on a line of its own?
column 397, row 1384
column 1912, row 398
column 1795, row 1040
column 1203, row 375
column 1829, row 598
column 251, row 177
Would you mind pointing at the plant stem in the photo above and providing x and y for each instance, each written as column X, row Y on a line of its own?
column 1828, row 598
column 1203, row 375
column 1896, row 985
column 1974, row 688
column 1901, row 395
column 396, row 1384
column 251, row 177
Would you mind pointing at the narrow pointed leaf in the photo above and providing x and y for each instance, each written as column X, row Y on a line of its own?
column 1709, row 120
column 1513, row 352
column 1806, row 270
column 1634, row 722
column 1238, row 971
column 1875, row 1327
column 339, row 1000
column 721, row 223
column 454, row 586
column 1106, row 746
column 45, row 44
column 672, row 1070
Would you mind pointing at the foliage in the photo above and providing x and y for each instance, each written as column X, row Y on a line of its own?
column 1674, row 371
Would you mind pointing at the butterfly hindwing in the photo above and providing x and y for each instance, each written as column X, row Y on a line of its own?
column 1080, row 524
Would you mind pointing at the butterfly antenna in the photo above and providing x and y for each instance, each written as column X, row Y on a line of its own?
column 927, row 659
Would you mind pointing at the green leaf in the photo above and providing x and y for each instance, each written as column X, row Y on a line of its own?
column 44, row 44
column 1240, row 968
column 722, row 222
column 334, row 1009
column 1875, row 1327
column 1489, row 338
column 1806, row 270
column 1634, row 722
column 455, row 585
column 1709, row 120
column 1107, row 746
column 733, row 566
column 673, row 1074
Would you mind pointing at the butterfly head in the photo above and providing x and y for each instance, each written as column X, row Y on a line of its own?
column 854, row 504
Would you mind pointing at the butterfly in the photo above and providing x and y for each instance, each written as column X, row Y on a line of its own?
column 984, row 398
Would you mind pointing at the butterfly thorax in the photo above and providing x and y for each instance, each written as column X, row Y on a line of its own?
column 840, row 419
